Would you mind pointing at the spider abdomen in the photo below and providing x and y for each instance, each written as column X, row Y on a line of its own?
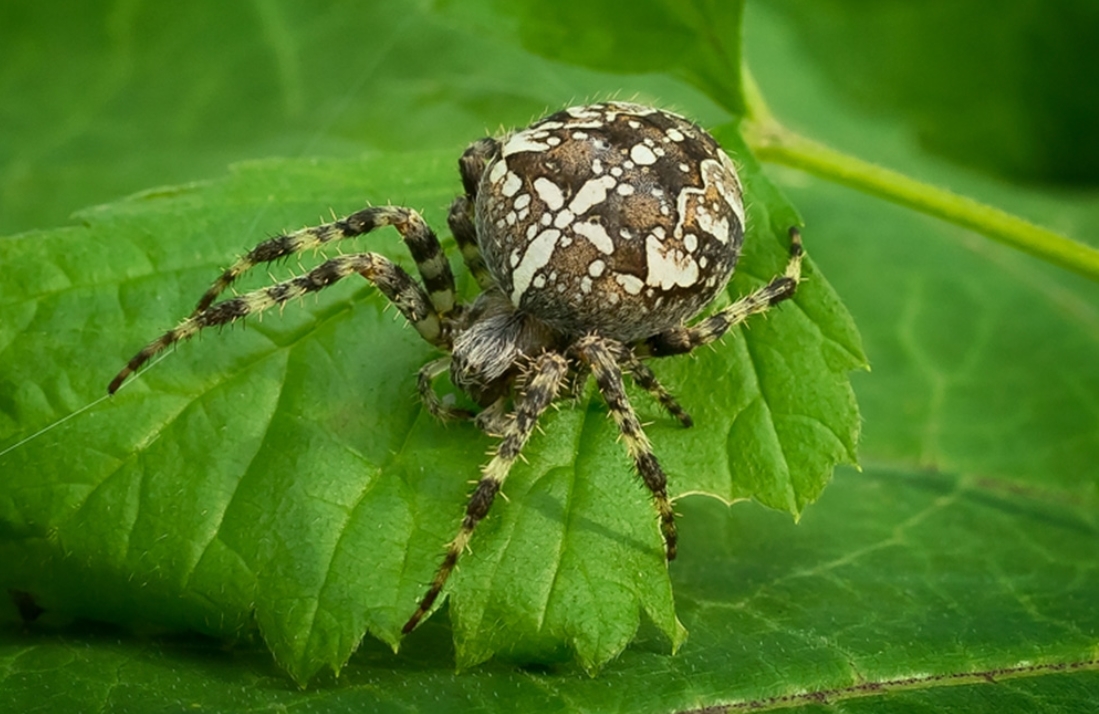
column 612, row 218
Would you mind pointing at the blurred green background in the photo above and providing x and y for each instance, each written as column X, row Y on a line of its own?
column 105, row 98
column 1002, row 87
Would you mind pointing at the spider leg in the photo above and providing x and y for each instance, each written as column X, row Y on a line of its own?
column 390, row 278
column 645, row 379
column 684, row 339
column 547, row 373
column 473, row 162
column 461, row 225
column 435, row 406
column 418, row 236
column 492, row 420
column 603, row 355
column 461, row 219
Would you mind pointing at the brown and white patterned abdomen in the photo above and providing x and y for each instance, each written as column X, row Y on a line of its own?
column 611, row 218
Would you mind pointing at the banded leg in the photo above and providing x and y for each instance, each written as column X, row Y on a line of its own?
column 391, row 279
column 473, row 162
column 418, row 236
column 645, row 379
column 472, row 166
column 601, row 355
column 461, row 225
column 425, row 384
column 684, row 339
column 548, row 372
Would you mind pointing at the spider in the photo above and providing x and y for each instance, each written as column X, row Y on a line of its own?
column 594, row 234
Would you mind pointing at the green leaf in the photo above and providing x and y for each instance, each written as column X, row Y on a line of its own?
column 901, row 589
column 978, row 413
column 286, row 471
column 284, row 476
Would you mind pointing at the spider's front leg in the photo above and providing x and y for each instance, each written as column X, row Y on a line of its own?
column 603, row 356
column 422, row 243
column 391, row 279
column 547, row 373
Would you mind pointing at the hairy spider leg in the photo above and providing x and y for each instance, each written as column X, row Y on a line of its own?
column 547, row 373
column 680, row 340
column 434, row 405
column 390, row 278
column 644, row 378
column 461, row 225
column 471, row 166
column 603, row 355
column 472, row 163
column 421, row 241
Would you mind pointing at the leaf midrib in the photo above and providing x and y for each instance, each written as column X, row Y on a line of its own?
column 884, row 687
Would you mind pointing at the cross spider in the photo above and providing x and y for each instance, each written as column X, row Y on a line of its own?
column 594, row 235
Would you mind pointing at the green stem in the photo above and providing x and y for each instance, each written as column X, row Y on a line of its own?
column 772, row 142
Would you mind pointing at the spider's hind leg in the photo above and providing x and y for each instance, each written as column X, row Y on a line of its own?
column 684, row 339
column 603, row 357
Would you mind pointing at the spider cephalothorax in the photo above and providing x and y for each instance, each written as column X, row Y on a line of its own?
column 594, row 235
